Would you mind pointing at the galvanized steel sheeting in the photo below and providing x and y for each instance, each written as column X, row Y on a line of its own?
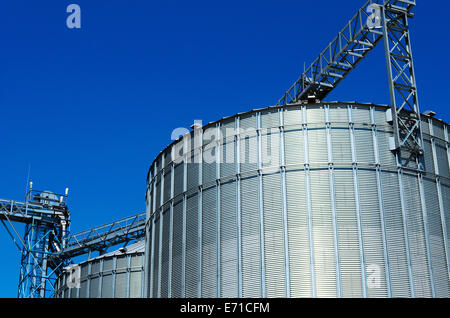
column 114, row 275
column 329, row 211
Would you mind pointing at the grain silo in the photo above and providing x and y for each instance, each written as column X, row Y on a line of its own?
column 303, row 200
column 118, row 274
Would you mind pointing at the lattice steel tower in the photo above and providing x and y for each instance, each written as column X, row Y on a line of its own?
column 47, row 220
column 376, row 20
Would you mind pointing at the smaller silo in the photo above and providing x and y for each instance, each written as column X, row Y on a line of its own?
column 118, row 274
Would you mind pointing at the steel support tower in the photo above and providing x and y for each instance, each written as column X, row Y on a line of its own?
column 47, row 247
column 47, row 220
column 376, row 20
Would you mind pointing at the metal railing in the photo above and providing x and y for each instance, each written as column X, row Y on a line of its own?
column 102, row 237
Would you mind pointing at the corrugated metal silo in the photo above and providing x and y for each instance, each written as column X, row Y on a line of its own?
column 119, row 274
column 299, row 201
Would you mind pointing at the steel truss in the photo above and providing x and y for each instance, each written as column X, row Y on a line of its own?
column 401, row 76
column 46, row 247
column 103, row 237
column 46, row 220
column 376, row 20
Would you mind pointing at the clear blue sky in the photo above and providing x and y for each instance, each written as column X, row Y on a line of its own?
column 89, row 109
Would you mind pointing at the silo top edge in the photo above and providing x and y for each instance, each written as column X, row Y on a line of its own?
column 330, row 103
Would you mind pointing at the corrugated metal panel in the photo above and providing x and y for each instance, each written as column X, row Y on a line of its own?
column 315, row 114
column 438, row 129
column 442, row 160
column 177, row 250
column 251, row 256
column 192, row 246
column 209, row 243
column 428, row 156
column 445, row 186
column 380, row 116
column 147, row 255
column 372, row 233
column 294, row 152
column 270, row 119
column 438, row 256
column 155, row 265
column 209, row 164
column 416, row 234
column 158, row 191
column 121, row 278
column 136, row 276
column 361, row 115
column 158, row 164
column 193, row 172
column 167, row 184
column 151, row 198
column 83, row 289
column 341, row 146
column 338, row 114
column 322, row 222
column 107, row 284
column 95, row 268
column 167, row 158
column 299, row 251
column 247, row 121
column 317, row 144
column 364, row 146
column 349, row 249
column 228, row 163
column 271, row 148
column 425, row 126
column 227, row 126
column 273, row 236
column 228, row 240
column 84, row 271
column 248, row 151
column 292, row 116
column 178, row 179
column 165, row 245
column 395, row 236
column 101, row 278
column 94, row 286
column 386, row 156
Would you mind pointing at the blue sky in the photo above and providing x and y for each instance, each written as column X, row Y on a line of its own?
column 89, row 109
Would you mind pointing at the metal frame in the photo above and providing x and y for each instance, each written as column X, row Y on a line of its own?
column 47, row 221
column 337, row 256
column 237, row 145
column 439, row 189
column 401, row 76
column 405, row 227
column 309, row 201
column 287, row 267
column 338, row 59
column 381, row 201
column 262, row 254
column 103, row 237
column 351, row 46
column 357, row 200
